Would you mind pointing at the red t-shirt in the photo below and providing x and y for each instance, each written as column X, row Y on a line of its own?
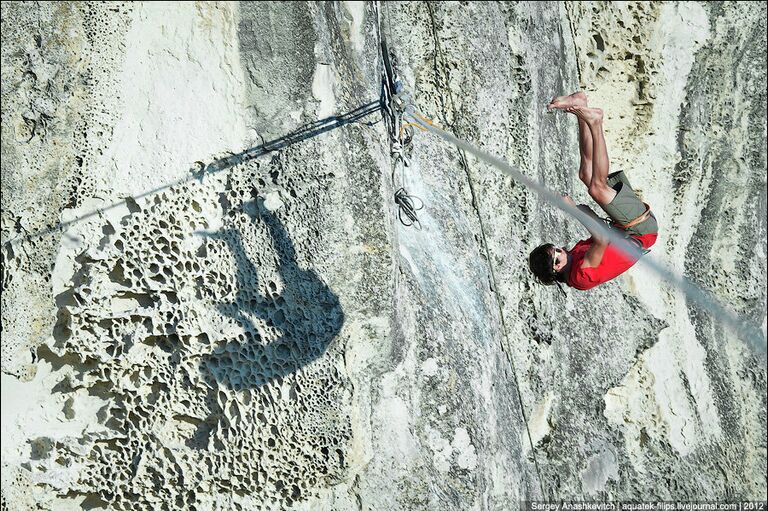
column 613, row 264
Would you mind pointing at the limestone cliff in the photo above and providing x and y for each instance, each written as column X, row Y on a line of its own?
column 188, row 323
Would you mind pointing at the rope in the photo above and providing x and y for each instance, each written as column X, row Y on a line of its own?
column 400, row 135
column 410, row 125
column 742, row 327
column 407, row 207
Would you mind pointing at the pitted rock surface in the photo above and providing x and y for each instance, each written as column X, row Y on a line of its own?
column 188, row 327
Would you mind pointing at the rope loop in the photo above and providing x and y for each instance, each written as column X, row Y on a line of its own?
column 408, row 207
column 401, row 133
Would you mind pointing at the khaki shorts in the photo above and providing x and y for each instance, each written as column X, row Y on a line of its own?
column 627, row 206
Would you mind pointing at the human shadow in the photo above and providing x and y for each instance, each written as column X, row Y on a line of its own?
column 283, row 329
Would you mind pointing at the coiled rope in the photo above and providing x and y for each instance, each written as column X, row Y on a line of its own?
column 408, row 208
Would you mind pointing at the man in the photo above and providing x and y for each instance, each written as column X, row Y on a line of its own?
column 595, row 260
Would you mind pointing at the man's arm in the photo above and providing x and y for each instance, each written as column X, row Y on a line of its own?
column 594, row 254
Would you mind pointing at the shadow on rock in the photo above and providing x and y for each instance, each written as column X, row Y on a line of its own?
column 283, row 331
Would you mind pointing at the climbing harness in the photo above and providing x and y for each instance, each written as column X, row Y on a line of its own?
column 627, row 236
column 635, row 221
column 400, row 136
column 621, row 229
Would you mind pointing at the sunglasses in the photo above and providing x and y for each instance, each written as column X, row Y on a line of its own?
column 555, row 253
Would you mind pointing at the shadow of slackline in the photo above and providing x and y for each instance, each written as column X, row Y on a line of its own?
column 305, row 316
column 305, row 132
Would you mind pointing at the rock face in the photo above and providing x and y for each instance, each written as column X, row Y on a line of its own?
column 189, row 323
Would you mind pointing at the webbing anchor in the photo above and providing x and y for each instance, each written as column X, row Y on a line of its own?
column 400, row 135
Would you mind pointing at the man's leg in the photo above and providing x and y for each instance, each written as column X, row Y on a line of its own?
column 585, row 152
column 585, row 135
column 598, row 185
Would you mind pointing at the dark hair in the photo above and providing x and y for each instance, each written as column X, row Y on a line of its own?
column 540, row 262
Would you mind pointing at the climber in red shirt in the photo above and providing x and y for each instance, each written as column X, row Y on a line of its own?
column 595, row 260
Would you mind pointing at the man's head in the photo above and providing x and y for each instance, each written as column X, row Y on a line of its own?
column 546, row 262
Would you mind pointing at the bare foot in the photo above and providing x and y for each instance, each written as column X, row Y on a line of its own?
column 586, row 114
column 563, row 102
